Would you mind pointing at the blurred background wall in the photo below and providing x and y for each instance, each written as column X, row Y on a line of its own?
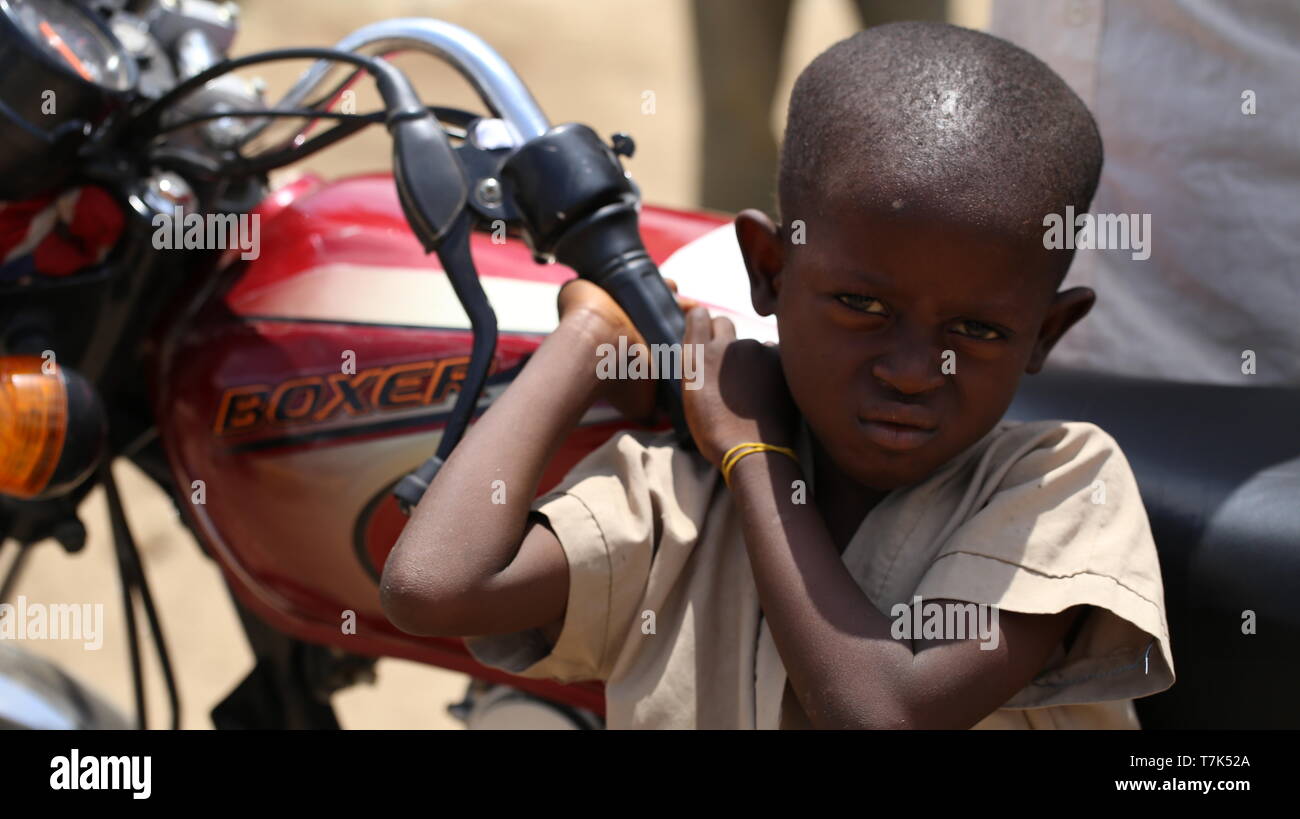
column 594, row 61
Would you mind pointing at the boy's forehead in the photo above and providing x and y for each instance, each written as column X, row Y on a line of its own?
column 904, row 237
column 871, row 191
column 880, row 213
column 858, row 187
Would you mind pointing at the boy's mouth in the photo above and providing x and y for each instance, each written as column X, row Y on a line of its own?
column 899, row 427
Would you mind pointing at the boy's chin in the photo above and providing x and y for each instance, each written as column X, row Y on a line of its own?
column 880, row 471
column 882, row 458
column 884, row 479
column 886, row 471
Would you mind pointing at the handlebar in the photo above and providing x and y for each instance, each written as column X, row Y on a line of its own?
column 569, row 190
column 493, row 79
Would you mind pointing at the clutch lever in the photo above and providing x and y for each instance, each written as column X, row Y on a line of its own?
column 433, row 190
column 577, row 206
column 456, row 259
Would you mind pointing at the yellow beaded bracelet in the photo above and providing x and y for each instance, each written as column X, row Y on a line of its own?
column 733, row 456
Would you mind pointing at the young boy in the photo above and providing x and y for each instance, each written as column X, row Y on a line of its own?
column 911, row 288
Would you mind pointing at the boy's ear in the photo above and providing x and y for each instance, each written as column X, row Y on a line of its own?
column 764, row 253
column 1068, row 306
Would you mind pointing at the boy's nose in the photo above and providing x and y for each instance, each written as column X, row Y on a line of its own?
column 909, row 369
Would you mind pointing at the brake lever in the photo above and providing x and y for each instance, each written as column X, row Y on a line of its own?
column 433, row 190
column 457, row 261
column 430, row 181
column 576, row 205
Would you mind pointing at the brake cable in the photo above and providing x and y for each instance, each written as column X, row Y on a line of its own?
column 146, row 123
column 271, row 113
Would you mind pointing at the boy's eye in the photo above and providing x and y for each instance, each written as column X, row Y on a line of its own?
column 864, row 304
column 978, row 330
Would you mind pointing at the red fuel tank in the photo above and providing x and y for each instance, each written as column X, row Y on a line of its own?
column 310, row 379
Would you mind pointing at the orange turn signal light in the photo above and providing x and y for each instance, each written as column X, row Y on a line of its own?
column 33, row 424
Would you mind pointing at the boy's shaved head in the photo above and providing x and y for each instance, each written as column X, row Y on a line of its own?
column 915, row 288
column 942, row 118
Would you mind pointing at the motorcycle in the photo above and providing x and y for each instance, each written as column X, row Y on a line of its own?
column 289, row 403
column 294, row 400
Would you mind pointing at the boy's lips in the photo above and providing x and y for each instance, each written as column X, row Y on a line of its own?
column 899, row 427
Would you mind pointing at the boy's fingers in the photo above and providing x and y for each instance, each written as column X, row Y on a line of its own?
column 559, row 295
column 569, row 289
column 672, row 285
column 698, row 328
column 723, row 329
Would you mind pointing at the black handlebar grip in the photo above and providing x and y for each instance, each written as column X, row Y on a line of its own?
column 634, row 282
column 606, row 249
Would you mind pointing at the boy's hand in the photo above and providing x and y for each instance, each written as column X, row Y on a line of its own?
column 743, row 396
column 587, row 305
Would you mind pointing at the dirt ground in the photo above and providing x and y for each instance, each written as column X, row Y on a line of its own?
column 585, row 60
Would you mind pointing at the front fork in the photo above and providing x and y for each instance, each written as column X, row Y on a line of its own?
column 291, row 682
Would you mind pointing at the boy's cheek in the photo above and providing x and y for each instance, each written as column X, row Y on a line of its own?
column 993, row 366
column 984, row 390
column 815, row 375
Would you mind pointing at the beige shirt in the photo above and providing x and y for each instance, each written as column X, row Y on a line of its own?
column 662, row 607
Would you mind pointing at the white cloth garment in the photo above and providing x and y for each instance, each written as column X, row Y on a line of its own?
column 1165, row 80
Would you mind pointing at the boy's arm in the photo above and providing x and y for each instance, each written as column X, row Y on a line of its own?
column 466, row 565
column 845, row 667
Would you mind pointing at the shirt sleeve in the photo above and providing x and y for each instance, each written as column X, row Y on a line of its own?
column 609, row 514
column 1065, row 526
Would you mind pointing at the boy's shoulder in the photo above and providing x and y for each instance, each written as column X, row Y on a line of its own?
column 1026, row 475
column 640, row 474
column 1020, row 450
column 1054, row 432
column 1025, row 486
column 648, row 454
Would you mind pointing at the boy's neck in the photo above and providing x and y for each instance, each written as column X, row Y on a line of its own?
column 843, row 502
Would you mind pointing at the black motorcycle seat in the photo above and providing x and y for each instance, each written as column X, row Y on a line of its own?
column 1219, row 472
